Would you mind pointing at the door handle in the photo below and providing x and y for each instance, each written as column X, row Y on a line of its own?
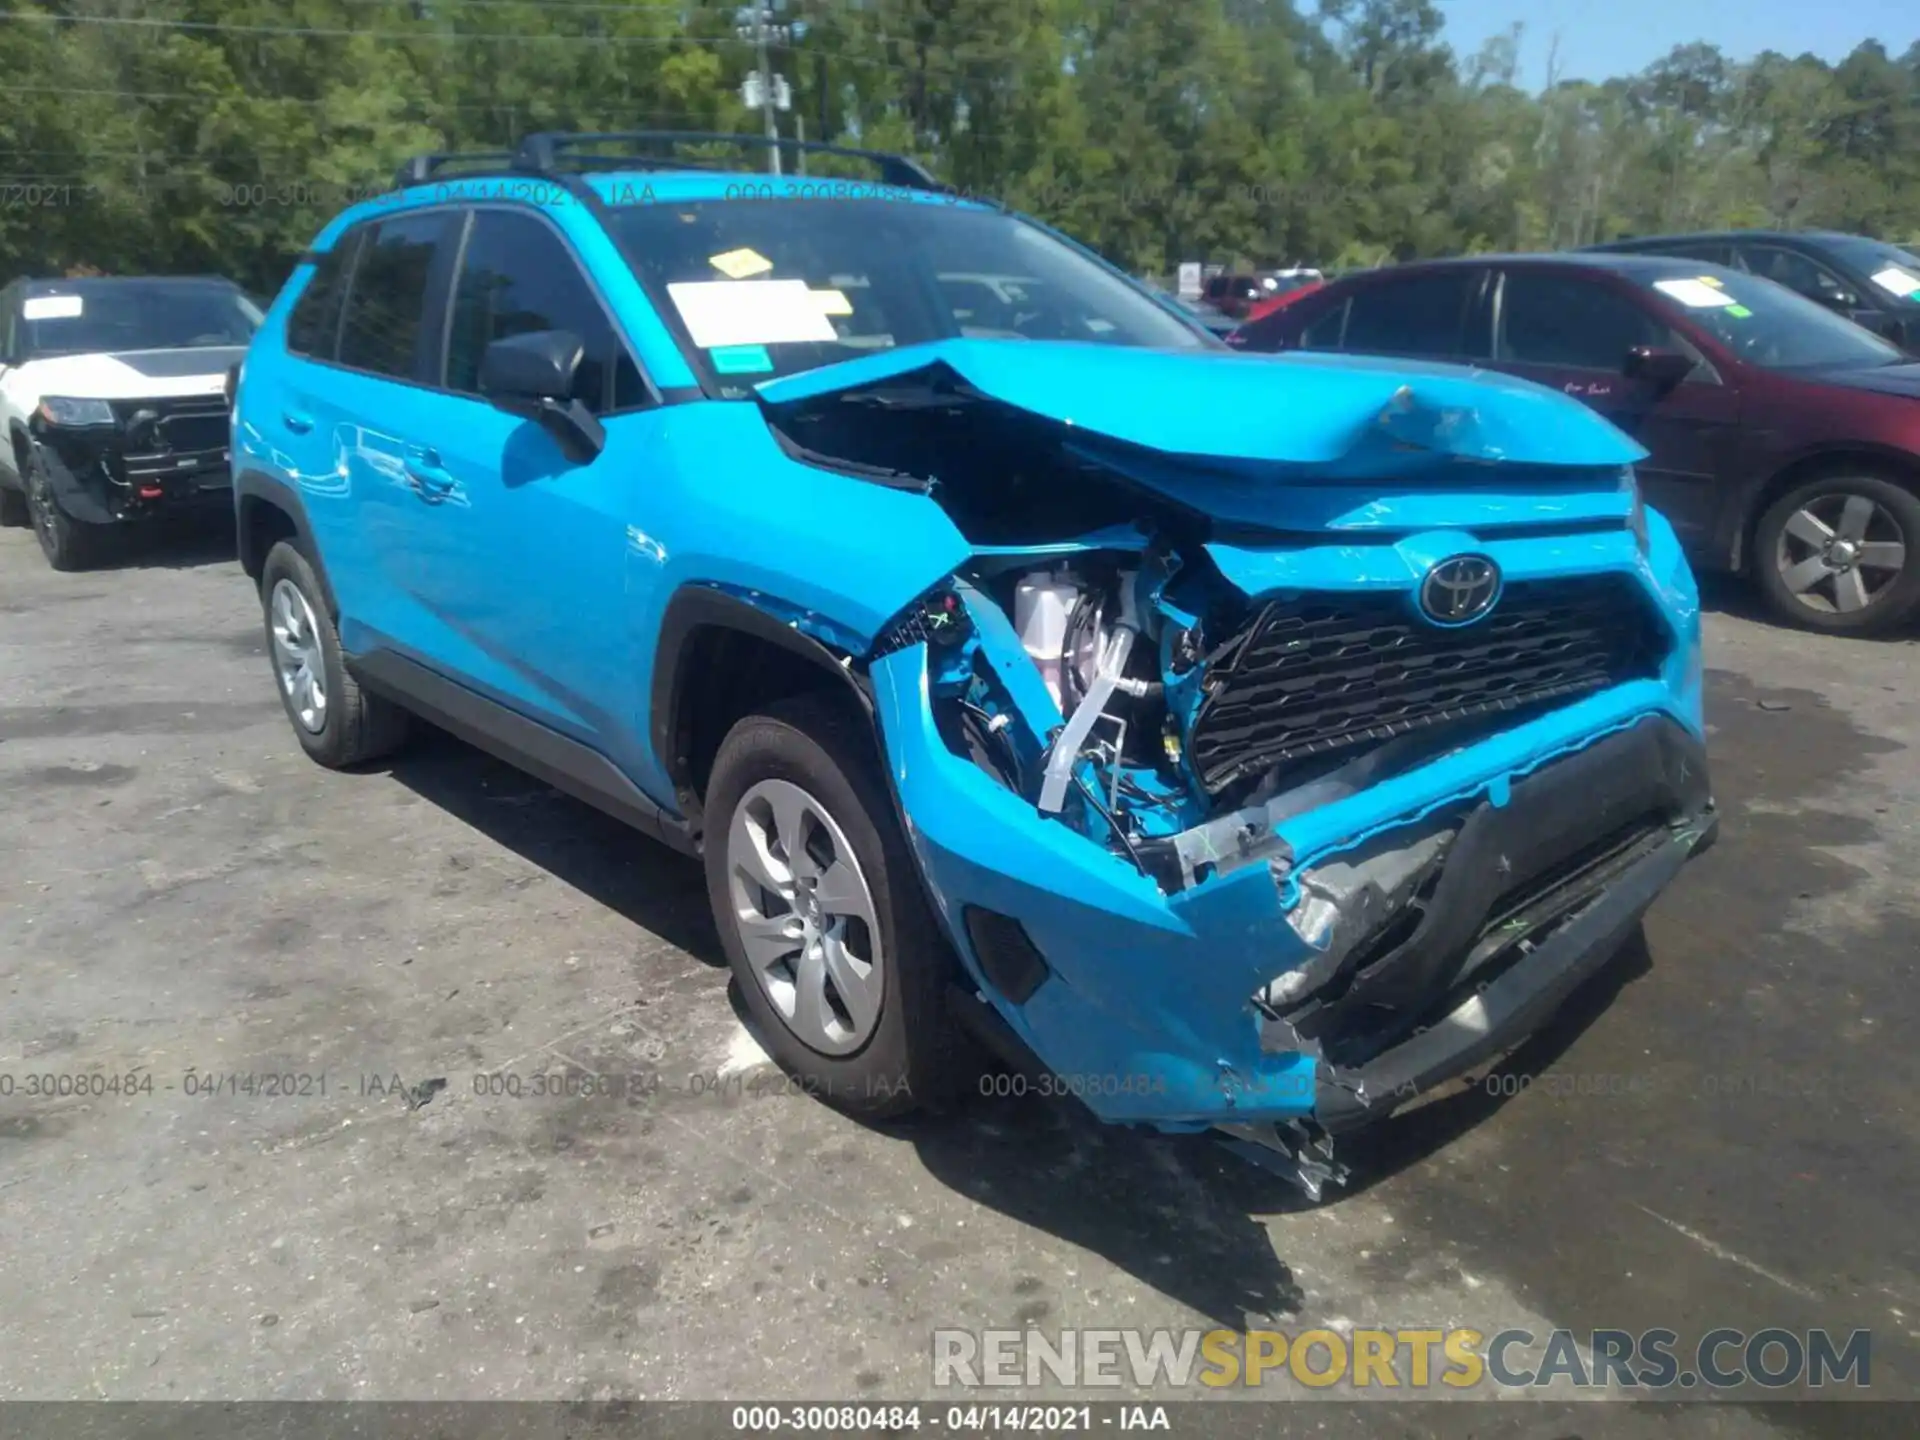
column 431, row 481
column 296, row 422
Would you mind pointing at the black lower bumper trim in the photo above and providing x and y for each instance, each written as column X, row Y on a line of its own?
column 1498, row 1018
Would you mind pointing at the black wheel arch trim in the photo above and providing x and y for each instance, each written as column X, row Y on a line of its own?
column 258, row 486
column 695, row 608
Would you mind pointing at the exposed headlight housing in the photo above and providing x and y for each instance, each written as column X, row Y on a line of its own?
column 73, row 414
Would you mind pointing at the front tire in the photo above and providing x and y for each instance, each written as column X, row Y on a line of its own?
column 68, row 544
column 336, row 722
column 815, row 894
column 13, row 509
column 1841, row 554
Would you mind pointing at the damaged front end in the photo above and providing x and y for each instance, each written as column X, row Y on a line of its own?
column 1238, row 816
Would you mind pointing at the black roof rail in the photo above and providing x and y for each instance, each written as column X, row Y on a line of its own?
column 545, row 153
column 419, row 169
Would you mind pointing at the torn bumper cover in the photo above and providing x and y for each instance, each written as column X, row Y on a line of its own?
column 1438, row 916
column 1525, row 901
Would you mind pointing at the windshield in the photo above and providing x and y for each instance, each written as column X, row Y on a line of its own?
column 1766, row 324
column 1892, row 270
column 86, row 319
column 772, row 287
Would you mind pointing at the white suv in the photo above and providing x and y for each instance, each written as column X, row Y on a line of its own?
column 112, row 395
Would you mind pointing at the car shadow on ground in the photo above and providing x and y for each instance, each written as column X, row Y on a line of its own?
column 170, row 545
column 657, row 889
column 1738, row 598
column 1180, row 1213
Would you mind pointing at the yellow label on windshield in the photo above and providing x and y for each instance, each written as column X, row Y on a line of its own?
column 739, row 264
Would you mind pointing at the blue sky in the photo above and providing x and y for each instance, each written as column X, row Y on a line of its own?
column 1617, row 37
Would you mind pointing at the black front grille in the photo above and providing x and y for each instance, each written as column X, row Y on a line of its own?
column 1332, row 673
column 182, row 435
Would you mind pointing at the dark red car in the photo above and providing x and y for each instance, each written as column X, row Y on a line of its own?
column 1784, row 440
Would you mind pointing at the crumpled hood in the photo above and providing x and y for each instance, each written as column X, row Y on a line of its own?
column 1337, row 415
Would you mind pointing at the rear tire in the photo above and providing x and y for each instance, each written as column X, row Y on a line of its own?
column 336, row 722
column 1841, row 554
column 857, row 1011
column 13, row 509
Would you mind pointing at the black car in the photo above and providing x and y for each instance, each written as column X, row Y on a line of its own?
column 1869, row 281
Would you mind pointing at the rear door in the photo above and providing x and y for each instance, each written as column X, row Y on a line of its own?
column 1571, row 329
column 364, row 407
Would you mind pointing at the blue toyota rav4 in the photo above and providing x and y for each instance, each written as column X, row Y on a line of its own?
column 891, row 552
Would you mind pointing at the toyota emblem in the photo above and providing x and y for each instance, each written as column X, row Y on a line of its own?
column 1460, row 590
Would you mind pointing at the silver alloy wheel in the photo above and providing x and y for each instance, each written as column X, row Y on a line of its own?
column 805, row 916
column 296, row 656
column 1840, row 552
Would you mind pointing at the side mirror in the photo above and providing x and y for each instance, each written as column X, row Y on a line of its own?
column 533, row 375
column 536, row 366
column 1664, row 368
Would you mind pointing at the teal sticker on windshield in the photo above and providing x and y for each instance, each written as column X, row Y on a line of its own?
column 1739, row 312
column 740, row 359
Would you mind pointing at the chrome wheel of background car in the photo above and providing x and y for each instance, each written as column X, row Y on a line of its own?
column 1840, row 552
column 297, row 657
column 806, row 916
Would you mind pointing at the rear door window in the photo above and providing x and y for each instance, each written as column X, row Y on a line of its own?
column 1420, row 315
column 314, row 326
column 382, row 329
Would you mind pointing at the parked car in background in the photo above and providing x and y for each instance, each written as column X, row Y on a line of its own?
column 1232, row 295
column 111, row 397
column 1065, row 683
column 1871, row 282
column 1271, row 305
column 1783, row 440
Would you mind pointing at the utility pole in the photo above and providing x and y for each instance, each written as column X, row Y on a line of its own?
column 760, row 14
column 763, row 90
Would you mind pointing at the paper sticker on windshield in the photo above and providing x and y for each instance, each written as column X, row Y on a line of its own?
column 1694, row 294
column 741, row 360
column 1739, row 312
column 833, row 302
column 1899, row 281
column 739, row 264
column 51, row 307
column 1710, row 280
column 750, row 312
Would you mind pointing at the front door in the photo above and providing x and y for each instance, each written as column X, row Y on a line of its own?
column 525, row 568
column 1572, row 331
